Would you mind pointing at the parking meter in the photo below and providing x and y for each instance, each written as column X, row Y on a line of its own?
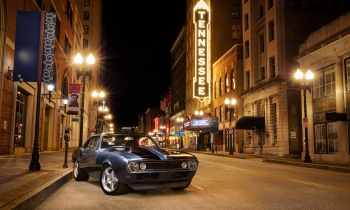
column 67, row 133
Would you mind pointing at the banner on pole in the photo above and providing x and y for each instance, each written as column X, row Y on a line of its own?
column 73, row 103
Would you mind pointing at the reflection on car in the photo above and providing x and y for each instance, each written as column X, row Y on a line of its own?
column 132, row 161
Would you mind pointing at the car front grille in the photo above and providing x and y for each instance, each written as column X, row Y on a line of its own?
column 164, row 165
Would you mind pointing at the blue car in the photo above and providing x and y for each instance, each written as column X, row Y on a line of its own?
column 132, row 161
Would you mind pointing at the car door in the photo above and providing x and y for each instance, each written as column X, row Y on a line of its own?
column 89, row 156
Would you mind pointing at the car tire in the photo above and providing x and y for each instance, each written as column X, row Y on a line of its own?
column 182, row 188
column 78, row 174
column 110, row 183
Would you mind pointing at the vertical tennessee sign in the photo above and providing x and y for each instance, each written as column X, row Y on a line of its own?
column 201, row 80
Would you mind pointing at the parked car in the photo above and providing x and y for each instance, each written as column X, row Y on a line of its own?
column 132, row 161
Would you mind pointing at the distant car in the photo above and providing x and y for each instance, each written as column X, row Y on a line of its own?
column 132, row 161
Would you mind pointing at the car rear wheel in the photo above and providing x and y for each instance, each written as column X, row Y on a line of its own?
column 110, row 183
column 78, row 174
column 181, row 188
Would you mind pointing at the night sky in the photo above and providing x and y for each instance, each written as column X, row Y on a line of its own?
column 137, row 39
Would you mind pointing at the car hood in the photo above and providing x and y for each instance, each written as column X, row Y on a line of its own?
column 153, row 153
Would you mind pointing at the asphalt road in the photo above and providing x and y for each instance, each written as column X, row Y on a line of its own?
column 222, row 183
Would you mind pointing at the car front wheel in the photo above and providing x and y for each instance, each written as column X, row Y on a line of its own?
column 78, row 174
column 110, row 183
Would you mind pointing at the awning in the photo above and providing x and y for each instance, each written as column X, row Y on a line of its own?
column 250, row 123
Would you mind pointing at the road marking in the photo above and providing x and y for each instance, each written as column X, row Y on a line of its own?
column 280, row 177
column 197, row 187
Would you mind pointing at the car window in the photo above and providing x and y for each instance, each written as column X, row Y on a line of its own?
column 109, row 141
column 93, row 143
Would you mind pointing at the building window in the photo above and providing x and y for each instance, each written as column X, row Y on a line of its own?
column 326, row 138
column 270, row 4
column 329, row 80
column 221, row 113
column 262, row 43
column 246, row 49
column 86, row 15
column 262, row 73
column 273, row 118
column 271, row 30
column 236, row 11
column 69, row 12
column 86, row 2
column 261, row 11
column 227, row 89
column 233, row 82
column 324, row 82
column 85, row 43
column 39, row 2
column 214, row 90
column 20, row 121
column 246, row 22
column 347, row 73
column 272, row 67
column 86, row 29
column 247, row 75
column 216, row 112
column 217, row 89
column 220, row 87
column 67, row 47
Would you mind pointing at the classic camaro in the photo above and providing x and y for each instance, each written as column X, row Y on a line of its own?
column 132, row 161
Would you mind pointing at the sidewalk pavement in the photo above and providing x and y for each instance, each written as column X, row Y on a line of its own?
column 21, row 188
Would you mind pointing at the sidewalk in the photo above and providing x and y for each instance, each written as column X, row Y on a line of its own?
column 21, row 188
column 24, row 189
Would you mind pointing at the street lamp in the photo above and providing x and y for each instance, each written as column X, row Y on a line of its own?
column 60, row 107
column 83, row 72
column 96, row 95
column 306, row 86
column 230, row 105
column 199, row 115
column 180, row 121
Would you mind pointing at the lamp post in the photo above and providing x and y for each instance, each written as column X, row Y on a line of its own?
column 305, row 86
column 83, row 72
column 96, row 95
column 101, row 117
column 199, row 115
column 34, row 163
column 180, row 121
column 230, row 105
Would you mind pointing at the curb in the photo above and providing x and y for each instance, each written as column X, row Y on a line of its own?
column 35, row 197
column 310, row 165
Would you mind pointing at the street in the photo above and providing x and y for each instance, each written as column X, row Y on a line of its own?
column 222, row 183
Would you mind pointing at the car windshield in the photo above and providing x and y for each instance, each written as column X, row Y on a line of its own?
column 128, row 140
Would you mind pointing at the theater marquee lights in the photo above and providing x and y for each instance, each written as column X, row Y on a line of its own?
column 201, row 80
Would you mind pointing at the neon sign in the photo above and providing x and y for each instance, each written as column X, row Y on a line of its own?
column 201, row 80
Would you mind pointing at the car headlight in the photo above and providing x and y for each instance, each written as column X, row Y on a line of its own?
column 143, row 166
column 133, row 166
column 192, row 164
column 184, row 164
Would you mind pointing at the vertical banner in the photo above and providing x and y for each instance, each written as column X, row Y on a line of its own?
column 26, row 59
column 74, row 95
column 49, row 47
column 201, row 80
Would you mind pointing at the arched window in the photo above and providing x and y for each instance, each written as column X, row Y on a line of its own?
column 220, row 87
column 233, row 82
column 226, row 84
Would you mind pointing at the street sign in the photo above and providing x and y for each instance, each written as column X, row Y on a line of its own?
column 75, row 119
column 305, row 121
